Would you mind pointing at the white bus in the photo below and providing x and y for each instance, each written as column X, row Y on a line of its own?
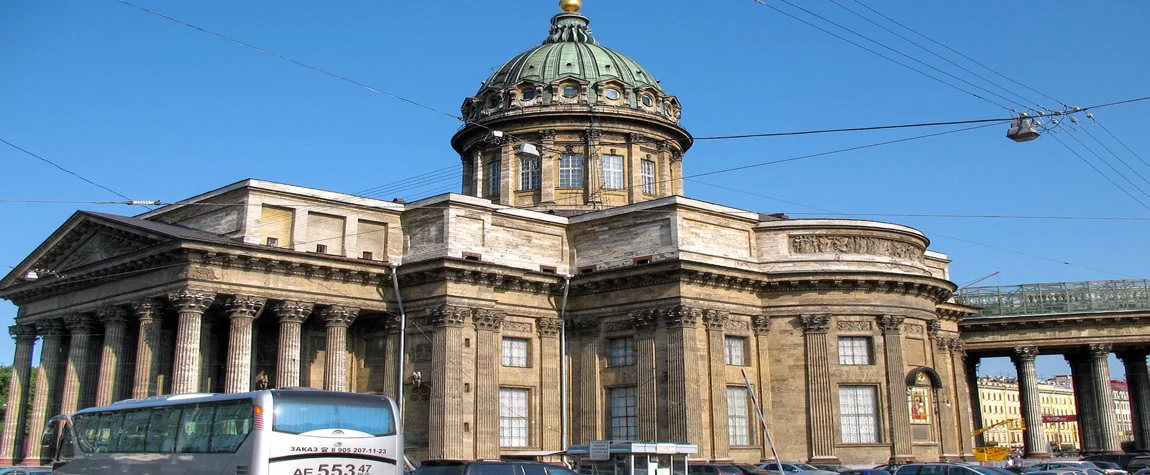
column 289, row 431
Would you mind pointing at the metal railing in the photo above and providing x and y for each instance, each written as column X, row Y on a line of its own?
column 1061, row 297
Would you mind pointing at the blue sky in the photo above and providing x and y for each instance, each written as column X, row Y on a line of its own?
column 159, row 111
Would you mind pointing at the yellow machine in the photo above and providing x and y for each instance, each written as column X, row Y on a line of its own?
column 993, row 453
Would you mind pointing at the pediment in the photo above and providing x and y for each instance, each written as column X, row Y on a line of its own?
column 82, row 241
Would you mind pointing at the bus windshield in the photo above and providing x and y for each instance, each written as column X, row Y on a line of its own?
column 300, row 412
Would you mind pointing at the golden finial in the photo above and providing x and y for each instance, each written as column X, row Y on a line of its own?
column 570, row 6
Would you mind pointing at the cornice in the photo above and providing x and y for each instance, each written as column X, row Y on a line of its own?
column 1050, row 322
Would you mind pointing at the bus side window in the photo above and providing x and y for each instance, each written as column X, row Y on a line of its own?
column 233, row 422
column 163, row 430
column 135, row 435
column 195, row 429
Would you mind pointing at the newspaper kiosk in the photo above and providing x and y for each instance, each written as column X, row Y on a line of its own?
column 602, row 457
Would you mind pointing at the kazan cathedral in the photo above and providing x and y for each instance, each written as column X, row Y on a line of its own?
column 569, row 293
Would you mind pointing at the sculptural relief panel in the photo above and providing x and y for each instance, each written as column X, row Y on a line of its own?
column 839, row 244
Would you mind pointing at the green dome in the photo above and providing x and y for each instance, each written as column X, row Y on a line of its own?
column 571, row 51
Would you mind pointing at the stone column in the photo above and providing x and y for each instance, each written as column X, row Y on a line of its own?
column 445, row 430
column 676, row 172
column 548, row 167
column 589, row 417
column 899, row 423
column 1031, row 404
column 684, row 421
column 820, row 392
column 663, row 182
column 716, row 323
column 146, row 382
column 646, row 322
column 1109, row 441
column 47, row 388
column 487, row 362
column 1084, row 402
column 242, row 311
column 549, row 388
column 335, row 365
column 947, row 422
column 391, row 358
column 291, row 315
column 966, row 397
column 109, row 388
column 14, row 415
column 81, row 328
column 761, row 324
column 190, row 306
column 1139, row 385
column 508, row 180
column 594, row 166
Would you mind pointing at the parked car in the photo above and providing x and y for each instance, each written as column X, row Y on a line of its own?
column 1145, row 471
column 1123, row 460
column 829, row 468
column 865, row 471
column 943, row 468
column 26, row 471
column 794, row 468
column 1138, row 463
column 1080, row 465
column 725, row 468
column 489, row 467
column 1110, row 468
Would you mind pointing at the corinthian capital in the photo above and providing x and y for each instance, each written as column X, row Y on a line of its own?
column 290, row 311
column 815, row 323
column 715, row 320
column 1101, row 350
column 51, row 328
column 192, row 300
column 1025, row 353
column 488, row 320
column 548, row 327
column 26, row 333
column 644, row 320
column 113, row 316
column 891, row 323
column 761, row 324
column 681, row 316
column 80, row 323
column 244, row 306
column 337, row 316
column 449, row 316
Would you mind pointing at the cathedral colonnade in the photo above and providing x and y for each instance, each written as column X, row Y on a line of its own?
column 1093, row 396
column 166, row 344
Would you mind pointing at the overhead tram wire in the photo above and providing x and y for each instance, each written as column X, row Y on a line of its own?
column 1091, row 165
column 930, row 233
column 968, row 58
column 928, row 50
column 888, row 58
column 65, row 170
column 1120, row 159
column 1116, row 139
column 1108, row 165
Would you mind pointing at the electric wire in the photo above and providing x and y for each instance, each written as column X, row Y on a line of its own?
column 65, row 170
column 928, row 50
column 1091, row 165
column 888, row 58
column 968, row 58
column 1108, row 165
column 1120, row 159
column 929, row 232
column 1128, row 149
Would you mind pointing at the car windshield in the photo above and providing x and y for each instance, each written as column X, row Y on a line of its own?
column 803, row 466
column 750, row 468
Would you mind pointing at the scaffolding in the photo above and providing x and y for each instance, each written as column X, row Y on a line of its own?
column 1055, row 298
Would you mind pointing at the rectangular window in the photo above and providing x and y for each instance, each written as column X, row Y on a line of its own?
column 512, row 417
column 494, row 173
column 613, row 172
column 735, row 350
column 647, row 171
column 621, row 351
column 737, row 416
column 858, row 414
column 571, row 170
column 529, row 173
column 855, row 350
column 624, row 413
column 515, row 352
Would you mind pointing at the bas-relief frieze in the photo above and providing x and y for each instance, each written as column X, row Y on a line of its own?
column 913, row 329
column 738, row 325
column 816, row 244
column 853, row 326
column 517, row 327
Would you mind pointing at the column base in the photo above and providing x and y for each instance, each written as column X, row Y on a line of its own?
column 1036, row 455
column 4, row 462
column 832, row 460
column 901, row 459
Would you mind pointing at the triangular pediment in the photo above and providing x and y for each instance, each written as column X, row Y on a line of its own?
column 83, row 240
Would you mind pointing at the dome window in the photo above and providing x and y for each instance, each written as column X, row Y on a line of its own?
column 528, row 94
column 494, row 102
column 612, row 93
column 570, row 91
column 648, row 100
